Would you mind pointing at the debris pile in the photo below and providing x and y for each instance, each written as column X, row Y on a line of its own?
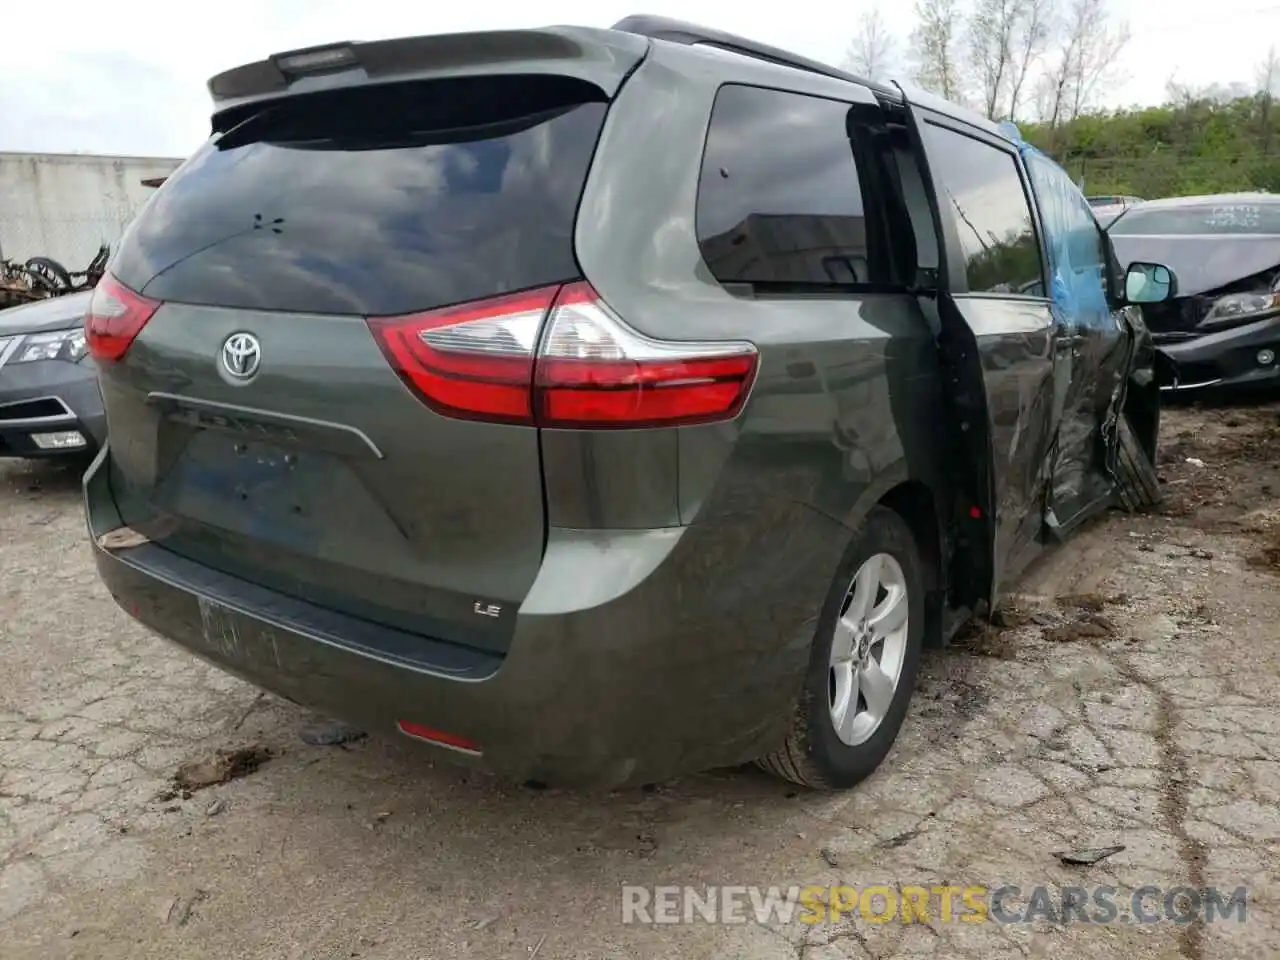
column 40, row 278
column 222, row 767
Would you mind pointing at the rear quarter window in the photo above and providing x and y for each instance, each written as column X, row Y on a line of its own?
column 376, row 201
column 780, row 196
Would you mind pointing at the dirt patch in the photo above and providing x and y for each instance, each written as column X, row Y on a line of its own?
column 1091, row 602
column 1217, row 464
column 1083, row 619
column 1086, row 602
column 995, row 638
column 1013, row 613
column 222, row 767
column 1267, row 557
column 982, row 639
column 1091, row 626
column 1264, row 525
column 1070, row 618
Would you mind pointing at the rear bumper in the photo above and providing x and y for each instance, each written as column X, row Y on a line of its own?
column 49, row 396
column 1226, row 358
column 637, row 656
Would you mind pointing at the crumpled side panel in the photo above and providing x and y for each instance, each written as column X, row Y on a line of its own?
column 1077, row 257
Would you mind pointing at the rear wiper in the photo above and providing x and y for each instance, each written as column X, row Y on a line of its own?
column 243, row 132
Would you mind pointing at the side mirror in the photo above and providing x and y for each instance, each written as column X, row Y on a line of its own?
column 1149, row 283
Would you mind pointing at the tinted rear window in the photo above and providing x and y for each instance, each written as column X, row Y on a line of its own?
column 1232, row 218
column 411, row 197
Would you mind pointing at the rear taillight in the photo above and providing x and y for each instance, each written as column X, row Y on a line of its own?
column 594, row 371
column 115, row 317
column 473, row 361
column 589, row 370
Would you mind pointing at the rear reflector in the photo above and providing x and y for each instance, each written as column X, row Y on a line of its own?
column 115, row 317
column 589, row 370
column 419, row 732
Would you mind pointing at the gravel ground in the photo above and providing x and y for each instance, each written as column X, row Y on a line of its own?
column 1126, row 699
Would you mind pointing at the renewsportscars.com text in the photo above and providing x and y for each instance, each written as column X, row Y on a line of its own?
column 1006, row 904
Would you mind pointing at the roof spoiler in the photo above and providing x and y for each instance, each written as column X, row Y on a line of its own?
column 602, row 57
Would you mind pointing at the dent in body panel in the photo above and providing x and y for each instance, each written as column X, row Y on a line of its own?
column 1015, row 343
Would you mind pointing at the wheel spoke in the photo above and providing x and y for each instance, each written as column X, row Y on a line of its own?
column 891, row 615
column 866, row 584
column 844, row 704
column 876, row 687
column 842, row 642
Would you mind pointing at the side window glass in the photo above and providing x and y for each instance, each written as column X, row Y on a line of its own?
column 780, row 198
column 1077, row 260
column 980, row 188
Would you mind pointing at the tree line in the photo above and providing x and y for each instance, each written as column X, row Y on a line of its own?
column 1045, row 65
column 1010, row 59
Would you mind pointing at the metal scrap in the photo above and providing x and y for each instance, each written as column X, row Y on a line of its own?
column 1086, row 858
column 41, row 278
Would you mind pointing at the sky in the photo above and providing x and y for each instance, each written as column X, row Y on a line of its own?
column 129, row 78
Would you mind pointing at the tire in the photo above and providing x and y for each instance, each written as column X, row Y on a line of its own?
column 1137, row 484
column 52, row 273
column 814, row 754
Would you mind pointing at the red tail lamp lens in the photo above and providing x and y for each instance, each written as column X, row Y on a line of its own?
column 115, row 317
column 589, row 370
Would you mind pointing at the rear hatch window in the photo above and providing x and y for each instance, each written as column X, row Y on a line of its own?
column 413, row 196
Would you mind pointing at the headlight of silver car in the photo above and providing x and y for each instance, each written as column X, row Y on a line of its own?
column 1241, row 307
column 56, row 345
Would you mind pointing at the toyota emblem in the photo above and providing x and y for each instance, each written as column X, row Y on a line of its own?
column 241, row 356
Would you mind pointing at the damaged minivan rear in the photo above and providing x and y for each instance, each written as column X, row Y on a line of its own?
column 597, row 406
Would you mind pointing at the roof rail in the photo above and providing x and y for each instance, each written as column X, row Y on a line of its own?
column 691, row 34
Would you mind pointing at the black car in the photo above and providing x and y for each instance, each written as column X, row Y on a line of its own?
column 600, row 405
column 1222, row 327
column 50, row 405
